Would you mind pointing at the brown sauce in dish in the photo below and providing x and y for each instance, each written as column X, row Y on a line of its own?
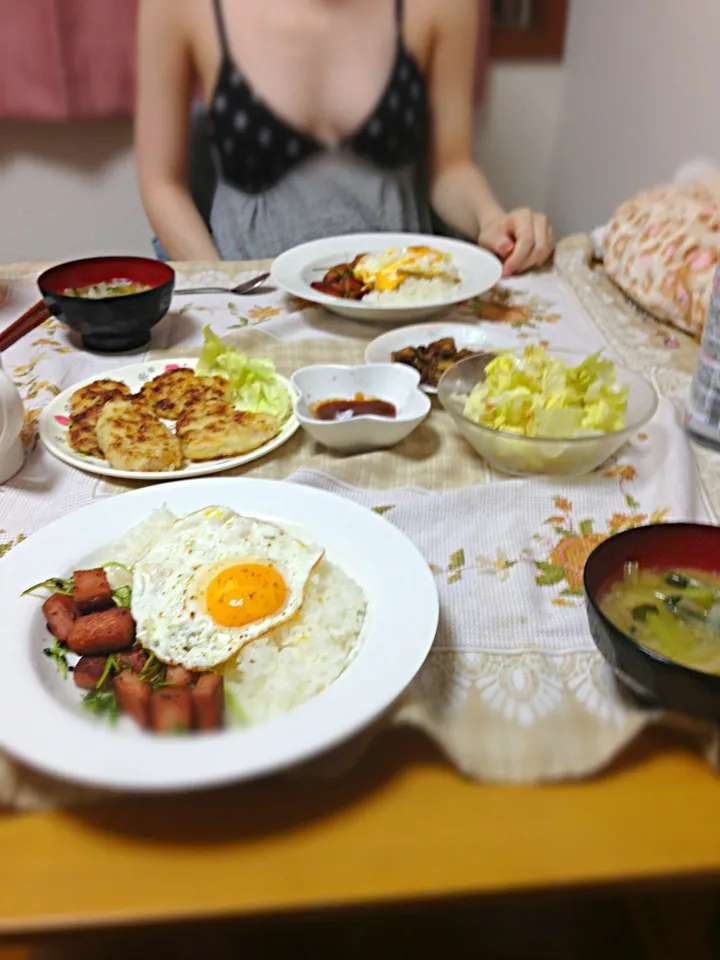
column 359, row 406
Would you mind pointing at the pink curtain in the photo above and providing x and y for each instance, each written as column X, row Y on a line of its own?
column 65, row 59
column 71, row 59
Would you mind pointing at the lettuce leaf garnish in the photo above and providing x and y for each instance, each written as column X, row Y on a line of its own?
column 255, row 383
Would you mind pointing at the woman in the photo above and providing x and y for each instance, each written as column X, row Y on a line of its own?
column 327, row 117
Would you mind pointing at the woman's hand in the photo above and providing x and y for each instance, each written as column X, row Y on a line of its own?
column 522, row 239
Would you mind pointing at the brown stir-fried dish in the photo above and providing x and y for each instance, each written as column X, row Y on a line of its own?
column 340, row 281
column 432, row 360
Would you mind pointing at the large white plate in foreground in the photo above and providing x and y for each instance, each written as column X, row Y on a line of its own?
column 40, row 721
column 478, row 336
column 53, row 428
column 294, row 271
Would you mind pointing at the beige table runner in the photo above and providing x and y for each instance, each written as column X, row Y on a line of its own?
column 436, row 459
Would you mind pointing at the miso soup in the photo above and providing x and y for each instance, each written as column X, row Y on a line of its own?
column 675, row 613
column 106, row 289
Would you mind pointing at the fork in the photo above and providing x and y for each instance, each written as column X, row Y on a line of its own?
column 241, row 290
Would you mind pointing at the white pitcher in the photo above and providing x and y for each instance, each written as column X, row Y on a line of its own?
column 11, row 424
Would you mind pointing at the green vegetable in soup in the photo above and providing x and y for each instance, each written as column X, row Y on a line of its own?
column 675, row 613
column 109, row 288
column 642, row 612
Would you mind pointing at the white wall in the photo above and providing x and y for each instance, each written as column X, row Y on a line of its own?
column 517, row 131
column 641, row 97
column 68, row 190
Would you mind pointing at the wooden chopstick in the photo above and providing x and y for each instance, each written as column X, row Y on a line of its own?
column 31, row 319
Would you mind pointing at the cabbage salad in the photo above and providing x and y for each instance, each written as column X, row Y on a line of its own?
column 535, row 395
column 255, row 383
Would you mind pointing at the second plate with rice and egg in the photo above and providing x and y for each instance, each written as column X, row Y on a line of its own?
column 386, row 277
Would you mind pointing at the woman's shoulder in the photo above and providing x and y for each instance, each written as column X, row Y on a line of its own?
column 175, row 18
column 426, row 21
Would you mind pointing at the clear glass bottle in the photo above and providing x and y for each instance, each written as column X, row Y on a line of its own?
column 703, row 414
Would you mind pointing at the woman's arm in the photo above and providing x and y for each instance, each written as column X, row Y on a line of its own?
column 460, row 193
column 162, row 123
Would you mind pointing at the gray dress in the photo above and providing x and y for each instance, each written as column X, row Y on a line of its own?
column 329, row 194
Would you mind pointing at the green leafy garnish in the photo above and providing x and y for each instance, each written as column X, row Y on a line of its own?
column 102, row 703
column 53, row 585
column 122, row 597
column 255, row 384
column 58, row 653
column 150, row 663
column 154, row 673
column 232, row 704
column 111, row 665
column 119, row 566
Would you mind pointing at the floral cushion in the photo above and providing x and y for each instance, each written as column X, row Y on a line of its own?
column 662, row 249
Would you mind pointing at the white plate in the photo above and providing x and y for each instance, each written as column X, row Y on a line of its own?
column 294, row 271
column 470, row 336
column 53, row 428
column 40, row 721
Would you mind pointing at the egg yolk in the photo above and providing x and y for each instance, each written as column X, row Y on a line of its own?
column 245, row 593
column 393, row 274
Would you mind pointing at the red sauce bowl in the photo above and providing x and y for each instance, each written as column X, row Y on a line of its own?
column 658, row 679
column 113, row 324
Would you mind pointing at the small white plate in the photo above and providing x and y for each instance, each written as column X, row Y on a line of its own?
column 40, row 719
column 294, row 271
column 392, row 382
column 467, row 336
column 53, row 428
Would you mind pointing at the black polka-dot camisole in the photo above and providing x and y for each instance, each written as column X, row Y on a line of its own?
column 256, row 149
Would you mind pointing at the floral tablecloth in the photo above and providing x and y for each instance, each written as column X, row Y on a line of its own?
column 506, row 704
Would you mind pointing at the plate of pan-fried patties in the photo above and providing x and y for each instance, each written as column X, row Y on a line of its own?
column 159, row 421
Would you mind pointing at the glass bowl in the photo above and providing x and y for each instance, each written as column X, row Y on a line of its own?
column 527, row 456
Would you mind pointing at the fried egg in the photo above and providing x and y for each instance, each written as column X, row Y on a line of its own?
column 216, row 581
column 389, row 270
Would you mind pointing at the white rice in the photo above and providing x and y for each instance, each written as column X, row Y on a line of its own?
column 415, row 290
column 293, row 663
column 138, row 540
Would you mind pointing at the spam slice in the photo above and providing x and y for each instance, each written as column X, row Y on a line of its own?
column 61, row 613
column 89, row 671
column 103, row 632
column 208, row 702
column 173, row 391
column 91, row 590
column 131, row 438
column 214, row 429
column 171, row 710
column 133, row 697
